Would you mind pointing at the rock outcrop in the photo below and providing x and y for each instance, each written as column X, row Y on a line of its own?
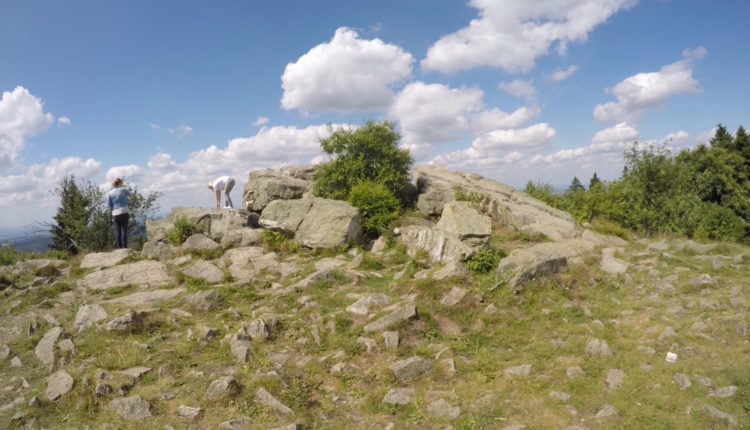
column 265, row 186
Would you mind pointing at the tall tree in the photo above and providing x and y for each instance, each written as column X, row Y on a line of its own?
column 71, row 219
column 575, row 185
column 595, row 180
column 722, row 138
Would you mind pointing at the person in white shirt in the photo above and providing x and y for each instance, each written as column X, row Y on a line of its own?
column 225, row 184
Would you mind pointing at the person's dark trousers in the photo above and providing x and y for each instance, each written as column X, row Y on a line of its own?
column 121, row 229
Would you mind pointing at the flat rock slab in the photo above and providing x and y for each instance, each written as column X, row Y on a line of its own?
column 403, row 313
column 87, row 316
column 105, row 259
column 611, row 264
column 45, row 349
column 58, row 384
column 540, row 261
column 443, row 410
column 268, row 400
column 146, row 298
column 145, row 274
column 205, row 271
column 399, row 396
column 362, row 306
column 411, row 368
column 130, row 408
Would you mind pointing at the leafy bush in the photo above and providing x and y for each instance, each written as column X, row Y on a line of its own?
column 369, row 153
column 484, row 261
column 9, row 256
column 182, row 230
column 277, row 242
column 461, row 195
column 711, row 221
column 378, row 205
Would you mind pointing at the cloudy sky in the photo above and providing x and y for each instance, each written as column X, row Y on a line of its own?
column 171, row 94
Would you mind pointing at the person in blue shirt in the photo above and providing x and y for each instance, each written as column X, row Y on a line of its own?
column 118, row 203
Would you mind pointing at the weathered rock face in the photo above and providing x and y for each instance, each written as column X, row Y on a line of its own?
column 266, row 186
column 157, row 251
column 199, row 242
column 145, row 273
column 542, row 260
column 460, row 232
column 315, row 222
column 204, row 270
column 215, row 224
column 503, row 204
column 330, row 224
column 105, row 259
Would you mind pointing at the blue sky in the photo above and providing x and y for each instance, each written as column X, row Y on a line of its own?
column 171, row 94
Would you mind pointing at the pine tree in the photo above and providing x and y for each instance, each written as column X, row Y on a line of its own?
column 742, row 144
column 722, row 138
column 575, row 185
column 595, row 180
column 72, row 217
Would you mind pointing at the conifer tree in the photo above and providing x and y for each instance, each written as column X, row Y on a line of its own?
column 575, row 185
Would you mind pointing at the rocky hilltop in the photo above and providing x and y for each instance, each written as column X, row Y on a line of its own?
column 282, row 315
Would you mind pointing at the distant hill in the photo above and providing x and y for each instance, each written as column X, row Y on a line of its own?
column 34, row 242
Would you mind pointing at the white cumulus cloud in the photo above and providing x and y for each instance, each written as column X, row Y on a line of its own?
column 129, row 173
column 181, row 131
column 434, row 113
column 347, row 74
column 512, row 34
column 63, row 121
column 22, row 117
column 563, row 74
column 495, row 119
column 261, row 121
column 645, row 90
column 520, row 88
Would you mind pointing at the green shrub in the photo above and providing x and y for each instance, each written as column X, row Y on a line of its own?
column 711, row 221
column 461, row 195
column 367, row 153
column 484, row 261
column 183, row 228
column 378, row 205
column 9, row 256
column 278, row 242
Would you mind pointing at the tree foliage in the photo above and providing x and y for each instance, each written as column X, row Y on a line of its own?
column 366, row 154
column 83, row 219
column 702, row 193
column 379, row 207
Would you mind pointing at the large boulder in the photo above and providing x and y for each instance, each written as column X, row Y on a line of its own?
column 105, row 259
column 461, row 231
column 542, row 260
column 314, row 222
column 505, row 205
column 145, row 274
column 285, row 215
column 215, row 224
column 330, row 224
column 265, row 186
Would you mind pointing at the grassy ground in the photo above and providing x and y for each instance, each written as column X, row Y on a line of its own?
column 313, row 363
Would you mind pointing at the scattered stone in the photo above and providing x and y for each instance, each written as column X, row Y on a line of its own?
column 606, row 411
column 453, row 297
column 443, row 410
column 362, row 306
column 403, row 313
column 682, row 381
column 666, row 335
column 724, row 392
column 611, row 264
column 130, row 408
column 45, row 349
column 189, row 412
column 58, row 384
column 67, row 347
column 102, row 389
column 157, row 251
column 268, row 400
column 704, row 381
column 35, row 402
column 370, row 345
column 256, row 330
column 87, row 316
column 243, row 423
column 4, row 351
column 558, row 395
column 411, row 368
column 225, row 386
column 391, row 340
column 522, row 370
column 720, row 415
column 135, row 372
column 204, row 270
column 703, row 280
column 699, row 326
column 15, row 363
column 206, row 301
column 399, row 396
column 615, row 379
column 598, row 347
column 97, row 260
column 451, row 270
column 378, row 246
column 574, row 372
column 199, row 242
column 130, row 322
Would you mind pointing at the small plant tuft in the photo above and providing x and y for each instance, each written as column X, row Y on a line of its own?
column 278, row 242
column 183, row 229
column 462, row 195
column 484, row 261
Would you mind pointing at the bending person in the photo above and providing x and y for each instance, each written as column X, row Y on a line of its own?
column 225, row 184
column 118, row 203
